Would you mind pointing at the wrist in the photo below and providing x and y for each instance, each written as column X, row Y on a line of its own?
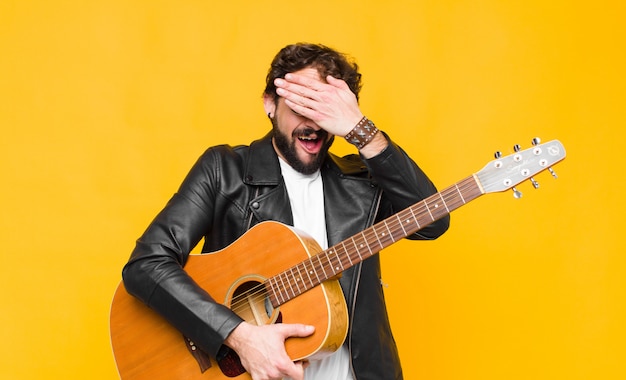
column 237, row 336
column 362, row 134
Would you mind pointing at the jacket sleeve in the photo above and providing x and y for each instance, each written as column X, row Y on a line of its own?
column 154, row 273
column 404, row 184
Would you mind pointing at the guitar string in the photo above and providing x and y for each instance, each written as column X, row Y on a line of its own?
column 393, row 225
column 421, row 209
column 260, row 293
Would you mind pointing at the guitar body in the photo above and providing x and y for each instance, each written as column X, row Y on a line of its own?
column 146, row 346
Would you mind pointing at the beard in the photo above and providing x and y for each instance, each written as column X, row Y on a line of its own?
column 287, row 148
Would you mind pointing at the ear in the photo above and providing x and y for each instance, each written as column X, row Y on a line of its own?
column 269, row 104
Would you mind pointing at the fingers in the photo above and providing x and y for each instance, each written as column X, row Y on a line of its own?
column 307, row 84
column 298, row 371
column 296, row 330
column 337, row 82
column 310, row 81
column 297, row 93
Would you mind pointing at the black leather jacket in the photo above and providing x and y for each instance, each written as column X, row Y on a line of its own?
column 230, row 189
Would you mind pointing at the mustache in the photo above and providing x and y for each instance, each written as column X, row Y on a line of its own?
column 308, row 131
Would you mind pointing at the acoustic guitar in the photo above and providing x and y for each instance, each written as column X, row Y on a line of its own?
column 277, row 274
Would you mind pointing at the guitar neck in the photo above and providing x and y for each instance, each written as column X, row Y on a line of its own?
column 336, row 259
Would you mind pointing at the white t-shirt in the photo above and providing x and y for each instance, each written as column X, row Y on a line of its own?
column 306, row 196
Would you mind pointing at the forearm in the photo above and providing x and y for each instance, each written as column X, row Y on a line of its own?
column 168, row 290
column 403, row 183
column 378, row 144
column 155, row 275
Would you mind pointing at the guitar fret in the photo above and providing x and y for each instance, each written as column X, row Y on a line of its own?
column 457, row 199
column 430, row 213
column 391, row 227
column 438, row 211
column 299, row 284
column 376, row 235
column 401, row 226
column 334, row 268
column 408, row 222
column 358, row 249
column 285, row 283
column 347, row 253
column 273, row 296
column 415, row 218
column 340, row 258
column 300, row 280
column 390, row 234
column 291, row 282
column 367, row 244
column 336, row 255
column 444, row 203
column 319, row 260
column 329, row 264
column 283, row 288
column 311, row 271
column 460, row 194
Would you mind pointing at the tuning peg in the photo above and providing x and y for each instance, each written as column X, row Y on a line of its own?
column 516, row 193
column 536, row 141
column 516, row 147
column 497, row 154
column 535, row 183
column 553, row 173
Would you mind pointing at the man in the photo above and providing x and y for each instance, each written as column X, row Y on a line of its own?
column 289, row 176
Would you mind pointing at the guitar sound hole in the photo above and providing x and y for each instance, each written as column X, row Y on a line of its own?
column 250, row 302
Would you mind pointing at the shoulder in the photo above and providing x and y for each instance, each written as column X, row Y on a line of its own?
column 349, row 165
column 222, row 155
column 225, row 152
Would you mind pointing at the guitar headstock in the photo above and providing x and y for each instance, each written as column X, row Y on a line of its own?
column 505, row 173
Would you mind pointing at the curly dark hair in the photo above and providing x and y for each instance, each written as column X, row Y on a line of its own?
column 327, row 61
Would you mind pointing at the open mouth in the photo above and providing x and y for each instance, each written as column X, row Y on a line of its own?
column 312, row 140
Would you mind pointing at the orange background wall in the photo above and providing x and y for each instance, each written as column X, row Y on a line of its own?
column 104, row 106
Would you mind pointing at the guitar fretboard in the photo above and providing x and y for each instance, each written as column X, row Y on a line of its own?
column 336, row 259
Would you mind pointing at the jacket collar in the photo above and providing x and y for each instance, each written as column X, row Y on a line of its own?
column 262, row 168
